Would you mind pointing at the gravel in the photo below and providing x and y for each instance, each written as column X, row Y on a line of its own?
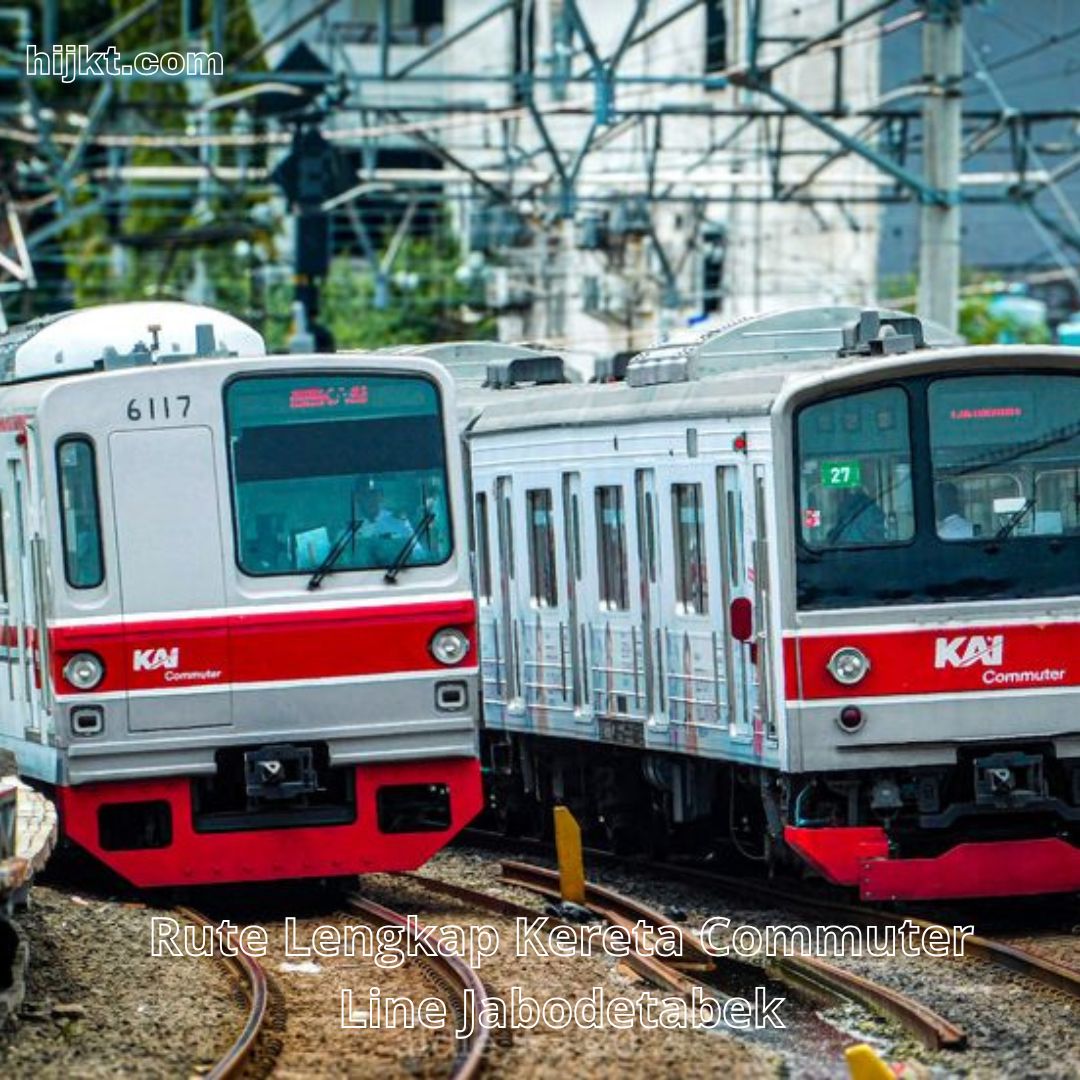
column 1016, row 1028
column 98, row 1005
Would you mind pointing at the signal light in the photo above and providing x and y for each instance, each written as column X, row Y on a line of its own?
column 850, row 718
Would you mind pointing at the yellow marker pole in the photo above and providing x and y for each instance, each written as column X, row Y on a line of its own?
column 568, row 849
column 864, row 1064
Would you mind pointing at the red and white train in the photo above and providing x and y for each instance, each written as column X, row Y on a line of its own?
column 810, row 585
column 238, row 626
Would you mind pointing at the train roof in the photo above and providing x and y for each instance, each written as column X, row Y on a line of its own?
column 112, row 336
column 493, row 363
column 738, row 370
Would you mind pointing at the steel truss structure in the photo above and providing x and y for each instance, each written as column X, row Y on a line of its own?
column 699, row 141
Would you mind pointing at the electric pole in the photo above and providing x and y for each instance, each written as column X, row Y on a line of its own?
column 939, row 222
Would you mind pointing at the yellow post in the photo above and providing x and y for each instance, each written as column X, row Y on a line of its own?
column 568, row 849
column 864, row 1064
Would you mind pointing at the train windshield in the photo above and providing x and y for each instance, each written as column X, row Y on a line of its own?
column 940, row 488
column 856, row 471
column 320, row 457
column 1006, row 456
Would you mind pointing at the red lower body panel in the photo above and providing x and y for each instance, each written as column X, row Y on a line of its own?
column 860, row 856
column 210, row 858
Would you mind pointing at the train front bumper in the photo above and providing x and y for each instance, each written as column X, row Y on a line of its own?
column 859, row 856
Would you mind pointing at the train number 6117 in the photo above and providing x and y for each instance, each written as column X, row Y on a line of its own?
column 158, row 408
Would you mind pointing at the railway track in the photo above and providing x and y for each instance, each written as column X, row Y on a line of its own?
column 803, row 973
column 252, row 978
column 963, row 1002
column 453, row 977
column 1001, row 954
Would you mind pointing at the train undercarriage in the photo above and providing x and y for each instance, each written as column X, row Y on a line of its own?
column 1003, row 820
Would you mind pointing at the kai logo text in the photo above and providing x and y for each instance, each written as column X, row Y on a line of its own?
column 156, row 659
column 967, row 651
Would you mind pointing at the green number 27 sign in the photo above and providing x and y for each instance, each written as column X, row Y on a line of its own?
column 841, row 474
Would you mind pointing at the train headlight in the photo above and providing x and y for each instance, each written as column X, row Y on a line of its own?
column 84, row 671
column 848, row 665
column 449, row 646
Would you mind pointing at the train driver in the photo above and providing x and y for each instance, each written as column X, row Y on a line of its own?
column 859, row 520
column 952, row 525
column 379, row 527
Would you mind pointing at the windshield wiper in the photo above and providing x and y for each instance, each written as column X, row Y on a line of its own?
column 395, row 567
column 1007, row 528
column 335, row 553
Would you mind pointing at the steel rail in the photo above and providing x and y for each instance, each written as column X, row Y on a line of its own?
column 804, row 972
column 651, row 968
column 253, row 977
column 1051, row 973
column 614, row 907
column 450, row 970
column 932, row 1029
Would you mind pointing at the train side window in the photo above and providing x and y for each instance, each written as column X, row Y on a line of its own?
column 691, row 582
column 611, row 548
column 483, row 552
column 505, row 517
column 3, row 558
column 575, row 535
column 80, row 517
column 543, row 584
column 734, row 528
column 855, row 486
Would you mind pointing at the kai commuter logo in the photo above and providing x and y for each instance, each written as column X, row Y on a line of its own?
column 156, row 659
column 965, row 652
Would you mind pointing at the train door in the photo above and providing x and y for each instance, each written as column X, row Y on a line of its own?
column 545, row 655
column 505, row 636
column 651, row 610
column 171, row 572
column 737, row 596
column 616, row 658
column 762, row 617
column 573, row 559
column 693, row 650
column 24, row 612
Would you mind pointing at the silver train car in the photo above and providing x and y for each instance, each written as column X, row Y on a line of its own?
column 238, row 625
column 810, row 585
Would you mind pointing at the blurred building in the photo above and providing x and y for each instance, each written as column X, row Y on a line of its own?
column 661, row 209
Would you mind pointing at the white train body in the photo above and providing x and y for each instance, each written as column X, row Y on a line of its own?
column 670, row 638
column 207, row 697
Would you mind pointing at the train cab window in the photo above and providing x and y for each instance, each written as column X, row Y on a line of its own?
column 80, row 518
column 611, row 548
column 344, row 464
column 543, row 585
column 483, row 551
column 855, row 486
column 691, row 583
column 1006, row 456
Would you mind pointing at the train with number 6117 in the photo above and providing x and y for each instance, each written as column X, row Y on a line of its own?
column 807, row 589
column 238, row 626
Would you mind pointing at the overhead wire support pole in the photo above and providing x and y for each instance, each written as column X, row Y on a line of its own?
column 939, row 219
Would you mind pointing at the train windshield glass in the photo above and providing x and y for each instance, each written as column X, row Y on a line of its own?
column 855, row 471
column 1006, row 456
column 321, row 456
